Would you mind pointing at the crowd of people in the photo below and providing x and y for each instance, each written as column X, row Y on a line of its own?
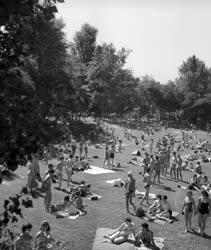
column 159, row 159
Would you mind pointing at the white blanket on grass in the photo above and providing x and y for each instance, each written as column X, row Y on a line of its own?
column 96, row 170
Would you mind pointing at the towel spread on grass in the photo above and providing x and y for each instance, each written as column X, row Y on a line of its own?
column 101, row 244
column 96, row 170
column 151, row 195
column 67, row 215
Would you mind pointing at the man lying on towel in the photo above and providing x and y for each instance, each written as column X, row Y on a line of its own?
column 145, row 237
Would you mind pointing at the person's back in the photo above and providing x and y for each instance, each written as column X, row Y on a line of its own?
column 24, row 242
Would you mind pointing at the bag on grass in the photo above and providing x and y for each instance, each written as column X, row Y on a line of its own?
column 94, row 198
column 140, row 212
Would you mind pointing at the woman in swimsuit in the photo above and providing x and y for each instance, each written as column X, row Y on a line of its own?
column 187, row 209
column 203, row 208
column 122, row 233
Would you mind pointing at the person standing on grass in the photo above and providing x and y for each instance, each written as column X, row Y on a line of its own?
column 188, row 209
column 146, row 162
column 33, row 174
column 173, row 166
column 73, row 145
column 69, row 166
column 179, row 167
column 112, row 152
column 59, row 170
column 24, row 241
column 147, row 184
column 46, row 188
column 204, row 211
column 81, row 145
column 157, row 170
column 130, row 188
column 86, row 150
column 107, row 158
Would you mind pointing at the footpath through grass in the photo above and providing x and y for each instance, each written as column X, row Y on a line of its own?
column 110, row 210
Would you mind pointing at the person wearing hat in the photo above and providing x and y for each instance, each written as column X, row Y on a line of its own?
column 130, row 187
column 40, row 241
column 59, row 170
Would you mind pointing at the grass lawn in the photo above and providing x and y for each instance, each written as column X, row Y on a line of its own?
column 110, row 211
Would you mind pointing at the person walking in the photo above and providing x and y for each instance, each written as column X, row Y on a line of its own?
column 69, row 166
column 130, row 187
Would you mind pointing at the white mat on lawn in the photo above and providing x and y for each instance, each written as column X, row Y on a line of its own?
column 97, row 170
column 151, row 195
column 67, row 215
column 114, row 181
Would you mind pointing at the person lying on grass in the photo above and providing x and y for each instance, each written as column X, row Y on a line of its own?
column 145, row 237
column 122, row 233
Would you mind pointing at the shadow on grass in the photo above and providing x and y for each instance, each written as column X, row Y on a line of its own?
column 165, row 188
column 206, row 236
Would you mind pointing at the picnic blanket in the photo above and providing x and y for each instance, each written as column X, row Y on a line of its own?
column 96, row 170
column 151, row 195
column 101, row 244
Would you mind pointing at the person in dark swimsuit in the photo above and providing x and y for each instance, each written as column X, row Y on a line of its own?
column 204, row 207
column 188, row 208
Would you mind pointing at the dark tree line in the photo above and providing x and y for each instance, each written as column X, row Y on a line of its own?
column 43, row 75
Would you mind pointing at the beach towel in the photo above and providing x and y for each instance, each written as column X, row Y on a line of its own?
column 100, row 243
column 151, row 195
column 96, row 170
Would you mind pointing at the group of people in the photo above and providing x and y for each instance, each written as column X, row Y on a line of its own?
column 127, row 229
column 42, row 241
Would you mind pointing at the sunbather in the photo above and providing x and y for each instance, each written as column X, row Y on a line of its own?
column 145, row 237
column 122, row 233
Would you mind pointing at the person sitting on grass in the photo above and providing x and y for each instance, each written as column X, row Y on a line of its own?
column 40, row 241
column 145, row 237
column 193, row 183
column 156, row 207
column 84, row 189
column 78, row 203
column 166, row 213
column 205, row 183
column 122, row 233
